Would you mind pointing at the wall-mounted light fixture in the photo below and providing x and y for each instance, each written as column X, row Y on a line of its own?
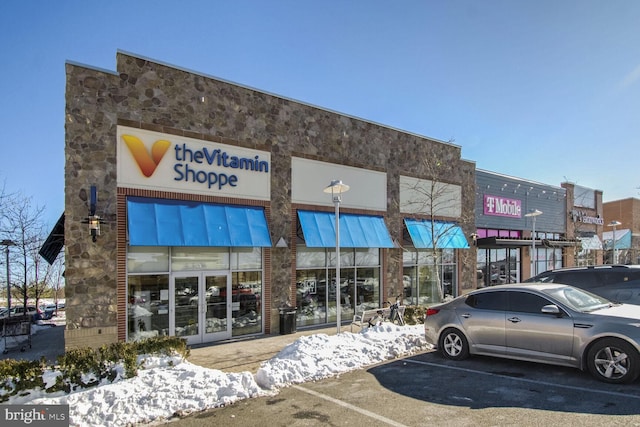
column 94, row 226
column 474, row 237
column 93, row 220
column 282, row 243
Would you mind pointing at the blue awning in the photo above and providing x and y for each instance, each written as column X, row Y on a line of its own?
column 160, row 222
column 448, row 235
column 356, row 231
column 623, row 239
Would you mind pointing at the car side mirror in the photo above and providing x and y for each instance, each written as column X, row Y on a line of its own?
column 552, row 309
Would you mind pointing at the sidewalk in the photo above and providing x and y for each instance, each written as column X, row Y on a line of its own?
column 246, row 354
column 233, row 355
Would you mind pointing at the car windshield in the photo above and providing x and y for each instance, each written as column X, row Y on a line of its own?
column 578, row 299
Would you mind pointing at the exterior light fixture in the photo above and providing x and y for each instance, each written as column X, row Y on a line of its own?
column 336, row 188
column 6, row 243
column 614, row 224
column 282, row 243
column 533, row 214
column 93, row 220
column 94, row 226
column 474, row 237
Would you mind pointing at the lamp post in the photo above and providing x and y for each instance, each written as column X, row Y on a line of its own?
column 6, row 243
column 614, row 224
column 533, row 214
column 336, row 188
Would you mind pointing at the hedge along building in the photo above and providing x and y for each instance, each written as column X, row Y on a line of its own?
column 206, row 205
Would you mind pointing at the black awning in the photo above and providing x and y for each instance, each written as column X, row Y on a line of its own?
column 54, row 243
column 503, row 242
column 560, row 243
column 506, row 242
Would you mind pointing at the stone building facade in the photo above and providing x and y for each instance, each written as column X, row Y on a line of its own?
column 165, row 102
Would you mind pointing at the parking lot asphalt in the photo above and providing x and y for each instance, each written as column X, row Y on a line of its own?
column 47, row 340
column 426, row 389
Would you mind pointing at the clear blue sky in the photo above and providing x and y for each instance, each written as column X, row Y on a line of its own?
column 546, row 90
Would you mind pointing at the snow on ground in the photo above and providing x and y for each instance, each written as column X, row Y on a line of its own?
column 169, row 386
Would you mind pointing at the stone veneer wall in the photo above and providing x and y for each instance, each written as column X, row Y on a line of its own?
column 167, row 99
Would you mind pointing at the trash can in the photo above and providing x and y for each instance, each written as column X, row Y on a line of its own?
column 287, row 320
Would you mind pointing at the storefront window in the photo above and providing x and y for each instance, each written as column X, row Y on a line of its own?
column 429, row 276
column 147, row 259
column 246, row 258
column 548, row 259
column 347, row 258
column 311, row 296
column 497, row 266
column 199, row 259
column 316, row 289
column 195, row 272
column 148, row 306
column 247, row 302
column 586, row 257
column 481, row 268
column 369, row 256
column 311, row 257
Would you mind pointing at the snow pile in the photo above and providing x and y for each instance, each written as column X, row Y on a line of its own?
column 169, row 386
column 320, row 356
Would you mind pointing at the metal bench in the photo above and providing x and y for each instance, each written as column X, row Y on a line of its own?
column 370, row 317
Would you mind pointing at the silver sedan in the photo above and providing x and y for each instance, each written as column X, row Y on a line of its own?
column 547, row 323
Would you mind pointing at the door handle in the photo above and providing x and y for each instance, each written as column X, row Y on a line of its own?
column 514, row 319
column 466, row 315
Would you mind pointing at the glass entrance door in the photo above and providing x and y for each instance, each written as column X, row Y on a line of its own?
column 199, row 308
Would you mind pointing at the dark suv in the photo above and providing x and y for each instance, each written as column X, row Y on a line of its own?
column 618, row 283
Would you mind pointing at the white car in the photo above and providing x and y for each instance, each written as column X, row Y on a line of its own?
column 213, row 291
column 32, row 312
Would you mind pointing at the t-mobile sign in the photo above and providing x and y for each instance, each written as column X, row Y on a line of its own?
column 501, row 206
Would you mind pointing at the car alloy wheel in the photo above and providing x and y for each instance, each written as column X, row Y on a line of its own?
column 613, row 361
column 453, row 344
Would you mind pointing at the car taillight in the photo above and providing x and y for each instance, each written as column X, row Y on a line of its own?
column 431, row 312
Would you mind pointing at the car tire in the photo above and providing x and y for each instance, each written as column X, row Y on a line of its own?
column 614, row 361
column 453, row 344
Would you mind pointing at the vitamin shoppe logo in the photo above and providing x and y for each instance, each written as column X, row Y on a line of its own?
column 194, row 164
column 148, row 162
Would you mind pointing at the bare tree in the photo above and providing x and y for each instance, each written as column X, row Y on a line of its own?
column 23, row 225
column 55, row 279
column 440, row 202
column 4, row 231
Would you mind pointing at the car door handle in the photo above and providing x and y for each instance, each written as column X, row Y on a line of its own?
column 466, row 315
column 514, row 319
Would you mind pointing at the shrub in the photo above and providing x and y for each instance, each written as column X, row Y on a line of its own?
column 84, row 367
column 414, row 314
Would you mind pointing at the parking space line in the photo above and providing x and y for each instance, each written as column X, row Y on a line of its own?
column 524, row 380
column 349, row 406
